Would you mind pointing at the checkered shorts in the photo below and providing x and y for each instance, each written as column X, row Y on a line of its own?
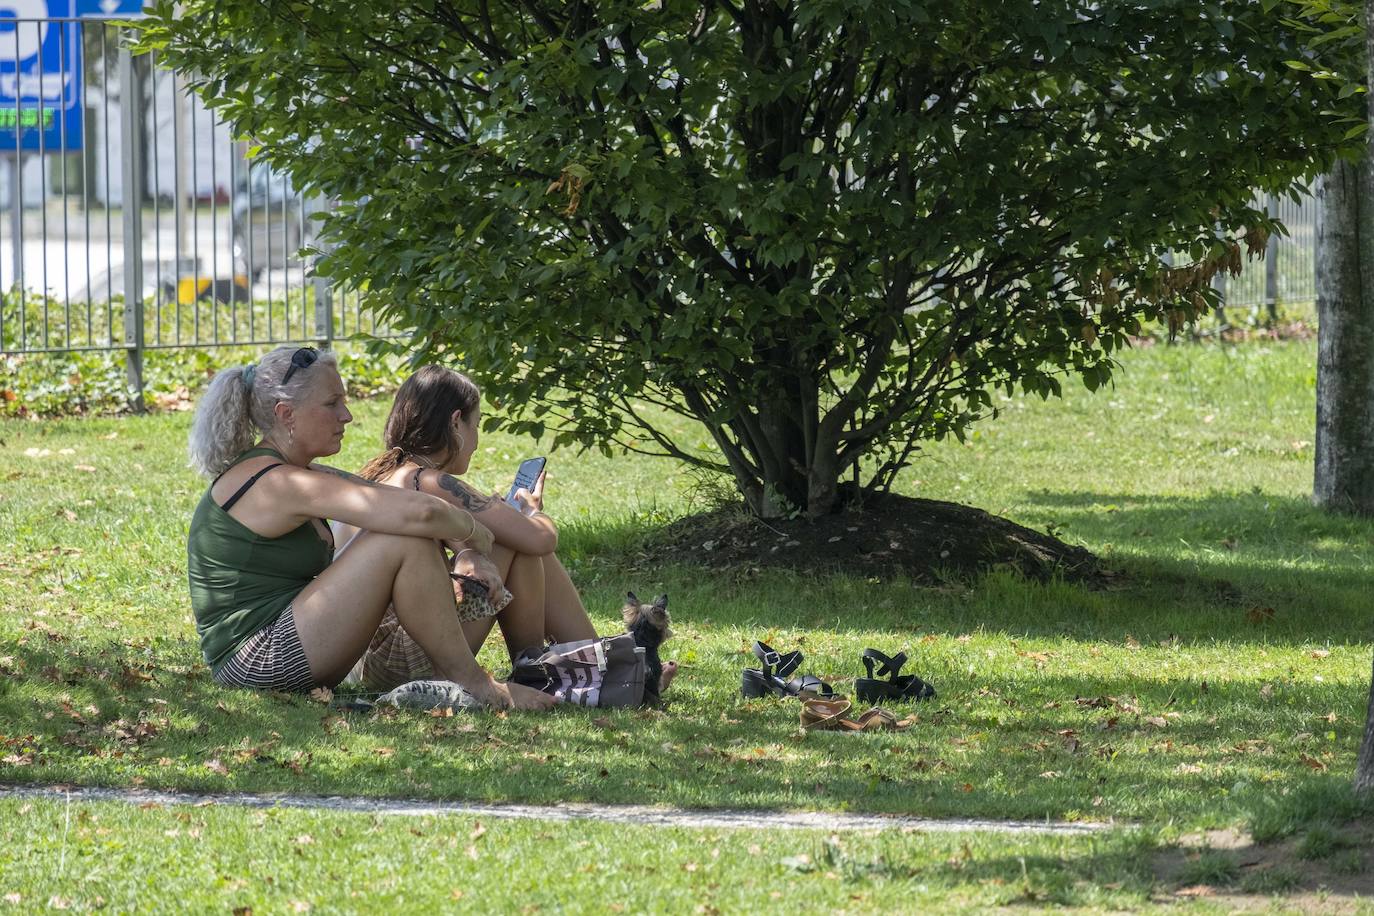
column 270, row 659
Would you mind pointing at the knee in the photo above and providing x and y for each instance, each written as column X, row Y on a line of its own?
column 530, row 564
column 403, row 545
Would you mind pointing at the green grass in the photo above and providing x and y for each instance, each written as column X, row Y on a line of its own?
column 1210, row 867
column 1224, row 682
column 124, row 859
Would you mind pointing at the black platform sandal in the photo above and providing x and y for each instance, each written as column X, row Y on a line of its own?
column 897, row 687
column 768, row 679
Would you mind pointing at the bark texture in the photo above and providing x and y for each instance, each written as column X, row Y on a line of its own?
column 1344, row 476
column 1364, row 764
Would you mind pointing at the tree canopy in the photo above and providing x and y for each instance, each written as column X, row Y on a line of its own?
column 827, row 230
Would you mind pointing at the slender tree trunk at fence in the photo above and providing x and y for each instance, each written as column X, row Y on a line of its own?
column 1344, row 474
column 1364, row 765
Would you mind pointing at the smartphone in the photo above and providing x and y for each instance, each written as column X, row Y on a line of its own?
column 525, row 476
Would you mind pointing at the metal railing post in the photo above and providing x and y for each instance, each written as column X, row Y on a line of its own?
column 1219, row 284
column 321, row 287
column 1271, row 265
column 131, row 124
column 323, row 291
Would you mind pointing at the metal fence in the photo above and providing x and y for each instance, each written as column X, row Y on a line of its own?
column 136, row 221
column 1287, row 275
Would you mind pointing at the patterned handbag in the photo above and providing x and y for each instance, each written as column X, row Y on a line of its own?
column 606, row 673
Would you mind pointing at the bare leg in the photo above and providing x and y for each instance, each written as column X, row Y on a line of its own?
column 522, row 621
column 564, row 616
column 337, row 614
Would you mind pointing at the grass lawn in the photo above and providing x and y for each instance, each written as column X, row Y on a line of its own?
column 1222, row 683
column 122, row 858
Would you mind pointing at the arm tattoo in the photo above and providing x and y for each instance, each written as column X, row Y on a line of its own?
column 353, row 478
column 473, row 502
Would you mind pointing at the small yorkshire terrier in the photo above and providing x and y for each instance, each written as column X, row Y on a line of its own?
column 648, row 623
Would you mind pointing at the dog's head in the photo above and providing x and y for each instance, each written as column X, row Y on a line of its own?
column 656, row 614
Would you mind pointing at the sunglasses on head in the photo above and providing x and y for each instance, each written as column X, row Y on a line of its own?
column 303, row 358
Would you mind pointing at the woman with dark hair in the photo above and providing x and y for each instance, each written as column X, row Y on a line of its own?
column 273, row 608
column 430, row 437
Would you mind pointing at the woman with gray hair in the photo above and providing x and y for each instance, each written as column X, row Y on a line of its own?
column 272, row 610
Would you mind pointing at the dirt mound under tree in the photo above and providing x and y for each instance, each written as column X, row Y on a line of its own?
column 928, row 540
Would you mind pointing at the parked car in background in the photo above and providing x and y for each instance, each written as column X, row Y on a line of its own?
column 269, row 222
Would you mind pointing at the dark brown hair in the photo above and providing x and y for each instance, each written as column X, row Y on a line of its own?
column 420, row 422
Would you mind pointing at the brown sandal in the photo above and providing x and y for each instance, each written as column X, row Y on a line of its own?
column 824, row 714
column 828, row 715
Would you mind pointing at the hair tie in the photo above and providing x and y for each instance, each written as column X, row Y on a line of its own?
column 250, row 372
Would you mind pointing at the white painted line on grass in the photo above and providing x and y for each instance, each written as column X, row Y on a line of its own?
column 718, row 818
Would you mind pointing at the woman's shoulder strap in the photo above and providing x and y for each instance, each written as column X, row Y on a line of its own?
column 248, row 485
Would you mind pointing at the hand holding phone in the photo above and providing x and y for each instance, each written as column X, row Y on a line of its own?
column 528, row 478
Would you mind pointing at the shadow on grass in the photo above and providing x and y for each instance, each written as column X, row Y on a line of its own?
column 1104, row 872
column 1024, row 744
column 1244, row 524
column 1244, row 568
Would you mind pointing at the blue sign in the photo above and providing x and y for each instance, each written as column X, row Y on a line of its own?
column 115, row 9
column 41, row 94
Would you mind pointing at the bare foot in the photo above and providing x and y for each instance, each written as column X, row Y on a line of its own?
column 669, row 672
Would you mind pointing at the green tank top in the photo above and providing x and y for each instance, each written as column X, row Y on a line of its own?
column 241, row 581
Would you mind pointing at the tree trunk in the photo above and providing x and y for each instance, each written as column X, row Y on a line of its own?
column 1344, row 477
column 1364, row 765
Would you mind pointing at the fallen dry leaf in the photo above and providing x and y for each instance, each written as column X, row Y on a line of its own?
column 1196, row 890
